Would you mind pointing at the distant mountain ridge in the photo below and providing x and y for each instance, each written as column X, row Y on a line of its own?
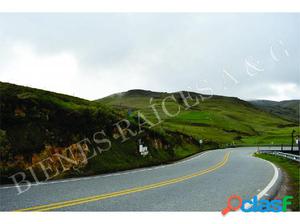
column 288, row 109
column 219, row 118
column 154, row 94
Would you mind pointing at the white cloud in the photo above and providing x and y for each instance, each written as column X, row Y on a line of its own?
column 284, row 91
column 62, row 72
column 55, row 72
column 85, row 55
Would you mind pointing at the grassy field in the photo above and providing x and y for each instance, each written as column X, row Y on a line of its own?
column 293, row 171
column 224, row 120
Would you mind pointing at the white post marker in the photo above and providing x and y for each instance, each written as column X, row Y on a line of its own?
column 143, row 150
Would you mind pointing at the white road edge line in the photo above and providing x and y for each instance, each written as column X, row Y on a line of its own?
column 113, row 174
column 271, row 183
column 268, row 187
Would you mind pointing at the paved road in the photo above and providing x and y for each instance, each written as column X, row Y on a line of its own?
column 201, row 183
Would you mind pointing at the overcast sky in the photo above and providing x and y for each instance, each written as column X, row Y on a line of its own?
column 251, row 56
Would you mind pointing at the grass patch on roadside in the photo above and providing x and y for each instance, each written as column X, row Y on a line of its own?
column 292, row 169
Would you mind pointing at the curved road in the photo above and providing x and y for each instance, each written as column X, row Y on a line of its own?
column 201, row 183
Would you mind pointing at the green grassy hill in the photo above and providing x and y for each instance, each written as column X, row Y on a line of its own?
column 224, row 120
column 36, row 124
column 288, row 109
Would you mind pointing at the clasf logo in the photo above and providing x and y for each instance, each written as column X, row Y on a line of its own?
column 255, row 205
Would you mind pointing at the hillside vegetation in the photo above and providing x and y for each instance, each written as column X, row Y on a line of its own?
column 288, row 109
column 37, row 124
column 223, row 120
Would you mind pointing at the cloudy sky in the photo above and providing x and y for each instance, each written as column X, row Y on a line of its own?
column 251, row 56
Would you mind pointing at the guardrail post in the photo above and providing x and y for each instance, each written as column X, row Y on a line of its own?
column 292, row 139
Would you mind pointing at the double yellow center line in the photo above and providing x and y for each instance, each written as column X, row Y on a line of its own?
column 84, row 200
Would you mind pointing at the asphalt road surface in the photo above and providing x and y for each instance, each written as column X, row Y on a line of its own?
column 201, row 183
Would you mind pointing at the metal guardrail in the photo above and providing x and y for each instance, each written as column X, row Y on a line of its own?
column 282, row 154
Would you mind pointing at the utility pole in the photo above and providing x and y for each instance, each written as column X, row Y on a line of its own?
column 292, row 139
